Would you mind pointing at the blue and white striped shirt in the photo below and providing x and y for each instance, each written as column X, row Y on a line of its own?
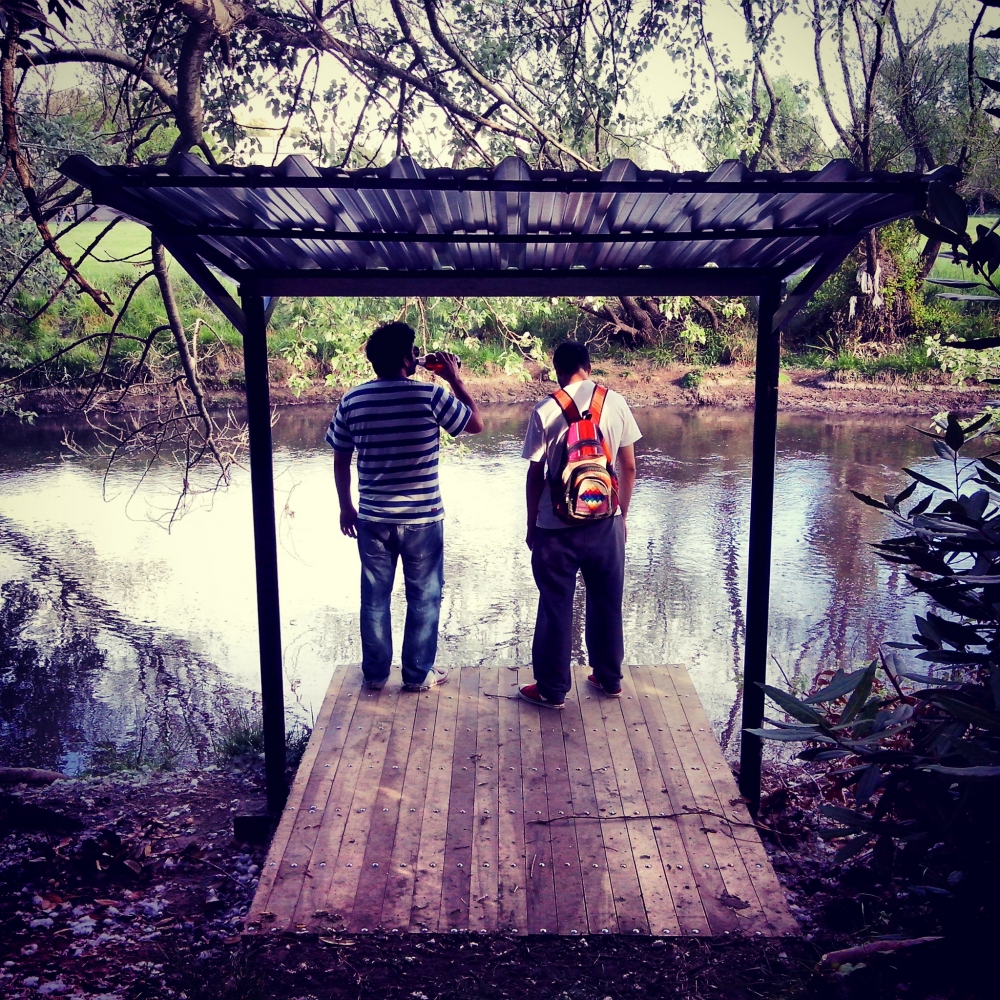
column 394, row 425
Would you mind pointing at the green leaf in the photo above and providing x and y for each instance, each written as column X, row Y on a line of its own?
column 920, row 507
column 954, row 436
column 860, row 695
column 967, row 298
column 990, row 464
column 840, row 684
column 977, row 773
column 793, row 734
column 870, row 778
column 895, row 501
column 852, row 848
column 944, row 450
column 966, row 712
column 955, row 283
column 926, row 480
column 795, row 708
column 935, row 232
column 948, row 207
column 871, row 501
column 847, row 817
column 951, row 656
column 979, row 423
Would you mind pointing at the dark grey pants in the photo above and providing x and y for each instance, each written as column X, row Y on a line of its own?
column 598, row 551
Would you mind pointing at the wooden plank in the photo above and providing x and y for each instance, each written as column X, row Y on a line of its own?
column 621, row 869
column 398, row 899
column 434, row 821
column 484, row 887
column 571, row 908
column 307, row 776
column 539, row 884
column 293, row 866
column 512, row 908
column 456, row 882
column 375, row 869
column 645, row 851
column 322, row 864
column 594, row 859
column 744, row 836
column 690, row 790
column 689, row 914
column 340, row 895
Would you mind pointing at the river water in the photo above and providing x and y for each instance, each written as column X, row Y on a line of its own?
column 122, row 642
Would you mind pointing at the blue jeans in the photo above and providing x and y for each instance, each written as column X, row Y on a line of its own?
column 558, row 555
column 421, row 547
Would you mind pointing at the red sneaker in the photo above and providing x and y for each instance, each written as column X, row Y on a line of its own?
column 594, row 682
column 531, row 693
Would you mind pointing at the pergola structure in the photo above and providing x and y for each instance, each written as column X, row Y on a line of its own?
column 299, row 230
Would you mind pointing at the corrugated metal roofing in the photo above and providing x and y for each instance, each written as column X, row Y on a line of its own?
column 299, row 227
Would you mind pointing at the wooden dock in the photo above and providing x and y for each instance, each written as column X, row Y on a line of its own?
column 467, row 809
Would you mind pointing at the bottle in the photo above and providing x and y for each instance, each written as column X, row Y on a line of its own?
column 431, row 363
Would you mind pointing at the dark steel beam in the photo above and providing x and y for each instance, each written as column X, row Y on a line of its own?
column 855, row 232
column 647, row 281
column 272, row 691
column 199, row 272
column 567, row 184
column 765, row 429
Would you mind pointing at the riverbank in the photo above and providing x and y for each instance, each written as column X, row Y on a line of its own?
column 802, row 390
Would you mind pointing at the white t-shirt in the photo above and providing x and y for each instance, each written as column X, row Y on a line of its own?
column 547, row 429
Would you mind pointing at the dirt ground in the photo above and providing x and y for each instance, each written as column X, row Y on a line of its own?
column 132, row 887
column 642, row 384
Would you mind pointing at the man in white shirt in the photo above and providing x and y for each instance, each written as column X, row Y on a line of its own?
column 559, row 550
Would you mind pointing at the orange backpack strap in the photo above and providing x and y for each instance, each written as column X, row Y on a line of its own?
column 566, row 404
column 597, row 403
column 596, row 408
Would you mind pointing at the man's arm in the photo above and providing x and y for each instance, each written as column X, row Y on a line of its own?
column 626, row 477
column 450, row 373
column 533, row 494
column 342, row 477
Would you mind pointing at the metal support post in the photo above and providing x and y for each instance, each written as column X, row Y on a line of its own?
column 765, row 429
column 265, row 549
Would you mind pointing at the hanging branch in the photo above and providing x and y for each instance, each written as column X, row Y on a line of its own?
column 183, row 350
column 18, row 163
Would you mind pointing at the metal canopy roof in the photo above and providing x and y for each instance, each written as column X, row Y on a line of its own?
column 297, row 229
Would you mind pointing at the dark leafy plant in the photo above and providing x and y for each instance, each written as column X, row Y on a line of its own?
column 914, row 748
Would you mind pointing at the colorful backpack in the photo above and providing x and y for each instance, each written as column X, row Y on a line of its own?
column 583, row 483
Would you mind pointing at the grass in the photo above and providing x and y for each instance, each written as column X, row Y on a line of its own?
column 909, row 362
column 240, row 736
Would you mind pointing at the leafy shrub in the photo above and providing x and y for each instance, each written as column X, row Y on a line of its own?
column 917, row 749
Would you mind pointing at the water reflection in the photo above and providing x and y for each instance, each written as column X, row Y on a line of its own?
column 118, row 635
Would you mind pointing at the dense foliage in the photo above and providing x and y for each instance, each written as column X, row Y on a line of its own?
column 914, row 747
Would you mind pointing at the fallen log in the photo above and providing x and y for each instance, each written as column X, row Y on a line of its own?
column 845, row 955
column 29, row 775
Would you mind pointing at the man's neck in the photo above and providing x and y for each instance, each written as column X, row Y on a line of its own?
column 579, row 376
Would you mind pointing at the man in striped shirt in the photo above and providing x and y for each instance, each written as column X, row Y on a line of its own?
column 394, row 425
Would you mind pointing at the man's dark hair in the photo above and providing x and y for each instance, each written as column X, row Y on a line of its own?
column 389, row 346
column 569, row 357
